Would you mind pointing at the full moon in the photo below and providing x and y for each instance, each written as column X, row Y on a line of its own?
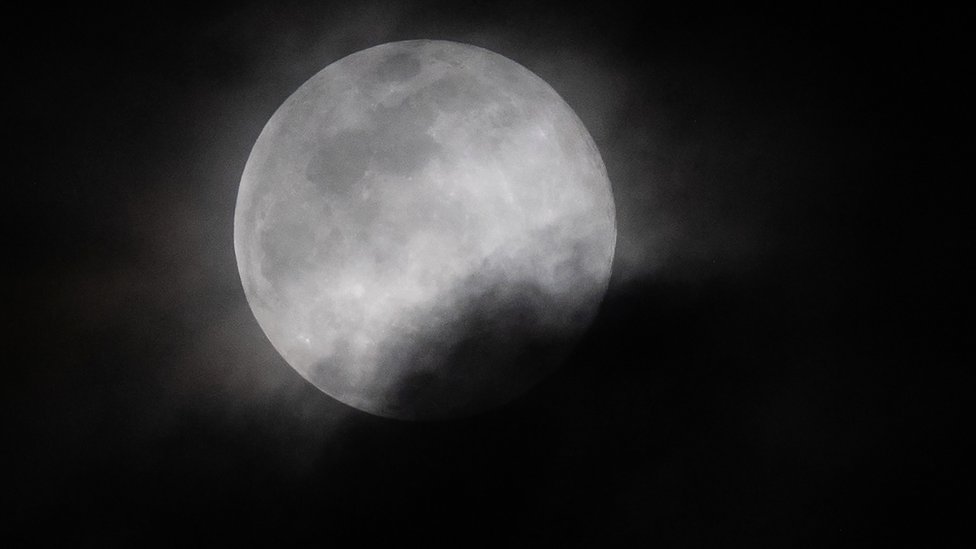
column 424, row 229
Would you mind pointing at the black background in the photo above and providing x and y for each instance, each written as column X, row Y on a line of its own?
column 779, row 360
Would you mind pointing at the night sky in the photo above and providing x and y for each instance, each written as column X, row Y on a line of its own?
column 780, row 360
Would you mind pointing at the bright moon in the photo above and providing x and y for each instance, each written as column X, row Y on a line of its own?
column 424, row 229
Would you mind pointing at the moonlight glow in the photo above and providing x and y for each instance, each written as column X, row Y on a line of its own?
column 423, row 229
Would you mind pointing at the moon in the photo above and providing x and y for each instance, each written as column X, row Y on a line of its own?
column 424, row 230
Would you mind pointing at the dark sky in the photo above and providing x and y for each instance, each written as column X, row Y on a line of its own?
column 779, row 360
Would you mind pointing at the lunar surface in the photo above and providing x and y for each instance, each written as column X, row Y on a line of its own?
column 424, row 229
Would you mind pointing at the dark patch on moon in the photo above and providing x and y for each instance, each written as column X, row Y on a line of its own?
column 405, row 156
column 286, row 251
column 398, row 67
column 505, row 117
column 340, row 161
column 447, row 93
column 400, row 143
column 329, row 247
